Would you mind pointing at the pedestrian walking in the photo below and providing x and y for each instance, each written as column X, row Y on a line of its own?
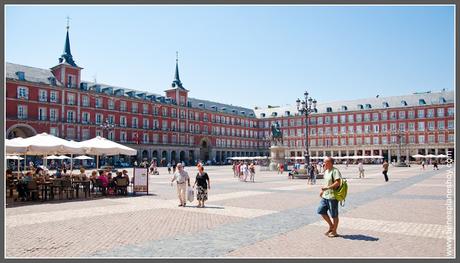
column 252, row 172
column 385, row 170
column 202, row 185
column 361, row 169
column 435, row 165
column 169, row 168
column 181, row 177
column 423, row 165
column 328, row 202
column 245, row 170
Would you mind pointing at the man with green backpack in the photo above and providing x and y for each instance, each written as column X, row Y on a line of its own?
column 334, row 192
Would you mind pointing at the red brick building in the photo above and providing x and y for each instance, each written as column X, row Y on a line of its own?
column 177, row 127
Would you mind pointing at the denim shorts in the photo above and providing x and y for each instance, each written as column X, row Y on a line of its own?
column 329, row 204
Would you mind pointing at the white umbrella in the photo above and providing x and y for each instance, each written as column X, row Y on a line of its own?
column 99, row 146
column 15, row 145
column 83, row 157
column 418, row 156
column 430, row 156
column 441, row 156
column 63, row 157
column 43, row 143
column 52, row 157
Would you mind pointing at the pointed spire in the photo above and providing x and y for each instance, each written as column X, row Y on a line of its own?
column 176, row 81
column 66, row 57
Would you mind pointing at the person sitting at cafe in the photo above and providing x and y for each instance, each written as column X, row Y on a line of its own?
column 125, row 175
column 92, row 178
column 21, row 187
column 104, row 181
column 58, row 172
column 82, row 175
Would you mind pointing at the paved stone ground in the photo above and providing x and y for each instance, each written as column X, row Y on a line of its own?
column 272, row 217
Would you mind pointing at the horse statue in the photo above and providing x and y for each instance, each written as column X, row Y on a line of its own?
column 277, row 135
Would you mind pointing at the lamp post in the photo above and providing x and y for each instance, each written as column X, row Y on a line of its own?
column 305, row 107
column 106, row 126
column 399, row 134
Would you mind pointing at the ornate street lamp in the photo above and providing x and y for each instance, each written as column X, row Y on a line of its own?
column 305, row 107
column 107, row 126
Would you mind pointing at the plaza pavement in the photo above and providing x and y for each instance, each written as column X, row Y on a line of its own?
column 273, row 217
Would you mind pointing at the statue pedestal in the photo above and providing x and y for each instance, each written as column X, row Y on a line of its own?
column 277, row 154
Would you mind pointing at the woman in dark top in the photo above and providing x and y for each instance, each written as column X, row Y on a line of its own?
column 203, row 184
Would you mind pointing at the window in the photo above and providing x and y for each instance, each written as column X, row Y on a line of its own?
column 359, row 130
column 367, row 117
column 85, row 117
column 174, row 113
column 53, row 96
column 134, row 107
column 343, row 130
column 164, row 125
column 375, row 116
column 441, row 125
column 402, row 126
column 111, row 119
column 343, row 119
column 367, row 128
column 384, row 115
column 384, row 140
column 155, row 111
column 421, row 139
column 22, row 112
column 123, row 136
column 111, row 104
column 146, row 124
column 351, row 141
column 393, row 115
column 98, row 102
column 430, row 138
column 98, row 118
column 70, row 116
column 441, row 138
column 123, row 121
column 42, row 95
column 21, row 75
column 367, row 140
column 335, row 130
column 165, row 138
column 393, row 127
column 359, row 118
column 351, row 118
column 145, row 108
column 327, row 120
column 70, row 133
column 146, row 138
column 411, row 126
column 350, row 129
column 320, row 120
column 431, row 125
column 394, row 139
column 23, row 92
column 70, row 82
column 42, row 114
column 335, row 119
column 411, row 139
column 85, row 134
column 402, row 115
column 376, row 140
column 421, row 113
column 53, row 115
column 335, row 141
column 450, row 124
column 122, row 105
column 165, row 112
column 376, row 128
column 85, row 101
column 135, row 122
column 451, row 138
column 440, row 112
column 421, row 126
column 384, row 128
column 430, row 113
column 450, row 112
column 111, row 135
column 70, row 99
column 411, row 114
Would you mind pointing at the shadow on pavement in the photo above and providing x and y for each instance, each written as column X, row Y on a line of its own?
column 359, row 237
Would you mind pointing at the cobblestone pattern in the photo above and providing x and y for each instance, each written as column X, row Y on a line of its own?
column 229, row 237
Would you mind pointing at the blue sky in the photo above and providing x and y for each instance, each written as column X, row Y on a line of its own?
column 245, row 55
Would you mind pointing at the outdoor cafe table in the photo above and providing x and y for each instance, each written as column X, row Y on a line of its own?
column 45, row 187
column 76, row 184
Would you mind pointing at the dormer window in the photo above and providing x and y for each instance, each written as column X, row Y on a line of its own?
column 328, row 109
column 52, row 81
column 223, row 109
column 243, row 113
column 214, row 107
column 344, row 108
column 274, row 114
column 262, row 115
column 287, row 113
column 360, row 106
column 421, row 102
column 368, row 106
column 404, row 103
column 21, row 75
column 442, row 100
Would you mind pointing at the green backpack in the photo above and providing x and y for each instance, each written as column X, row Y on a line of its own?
column 341, row 192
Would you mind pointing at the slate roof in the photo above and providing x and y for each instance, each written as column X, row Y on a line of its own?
column 31, row 74
column 430, row 98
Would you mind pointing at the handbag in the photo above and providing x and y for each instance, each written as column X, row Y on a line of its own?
column 190, row 194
